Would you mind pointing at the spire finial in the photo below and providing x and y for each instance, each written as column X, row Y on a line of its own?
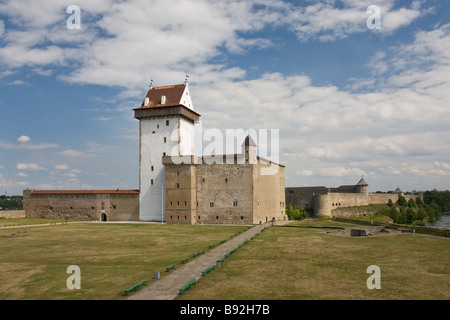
column 151, row 84
column 186, row 79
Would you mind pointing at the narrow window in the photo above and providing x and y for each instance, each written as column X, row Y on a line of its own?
column 165, row 139
column 211, row 204
column 164, row 154
column 157, row 126
column 170, row 202
column 153, row 168
column 258, row 203
column 178, row 186
column 178, row 203
column 197, row 204
column 151, row 182
column 217, row 217
column 185, row 203
column 203, row 179
column 167, row 122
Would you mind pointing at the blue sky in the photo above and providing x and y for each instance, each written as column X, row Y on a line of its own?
column 347, row 100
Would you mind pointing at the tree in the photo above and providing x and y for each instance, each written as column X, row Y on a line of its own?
column 421, row 214
column 390, row 203
column 412, row 203
column 410, row 215
column 402, row 202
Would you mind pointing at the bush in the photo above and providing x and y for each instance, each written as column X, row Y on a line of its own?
column 294, row 213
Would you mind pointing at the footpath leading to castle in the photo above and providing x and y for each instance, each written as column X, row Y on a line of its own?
column 167, row 288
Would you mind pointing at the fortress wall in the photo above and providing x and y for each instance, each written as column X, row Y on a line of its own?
column 180, row 197
column 322, row 205
column 382, row 198
column 302, row 197
column 348, row 199
column 268, row 193
column 222, row 184
column 85, row 207
column 12, row 214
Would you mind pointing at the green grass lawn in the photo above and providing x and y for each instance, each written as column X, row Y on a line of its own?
column 111, row 257
column 306, row 263
column 281, row 263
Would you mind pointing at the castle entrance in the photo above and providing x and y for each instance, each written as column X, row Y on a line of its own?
column 103, row 217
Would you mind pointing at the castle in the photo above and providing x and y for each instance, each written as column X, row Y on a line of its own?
column 324, row 201
column 179, row 184
column 176, row 185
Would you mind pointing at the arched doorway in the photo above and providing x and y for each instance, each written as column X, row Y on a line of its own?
column 103, row 217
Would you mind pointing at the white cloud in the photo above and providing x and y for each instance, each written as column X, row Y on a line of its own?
column 2, row 27
column 27, row 146
column 72, row 153
column 21, row 174
column 62, row 166
column 18, row 83
column 23, row 139
column 29, row 166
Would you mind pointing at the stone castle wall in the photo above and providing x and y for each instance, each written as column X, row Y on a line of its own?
column 324, row 200
column 82, row 205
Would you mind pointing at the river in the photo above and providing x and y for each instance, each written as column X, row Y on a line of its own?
column 443, row 222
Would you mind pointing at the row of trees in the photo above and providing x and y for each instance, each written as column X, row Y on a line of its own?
column 11, row 202
column 416, row 211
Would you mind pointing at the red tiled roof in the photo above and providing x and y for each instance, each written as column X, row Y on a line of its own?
column 173, row 95
column 117, row 191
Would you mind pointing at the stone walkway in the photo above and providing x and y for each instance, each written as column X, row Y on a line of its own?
column 168, row 286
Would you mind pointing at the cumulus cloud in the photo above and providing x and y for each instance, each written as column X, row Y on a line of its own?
column 29, row 166
column 62, row 166
column 23, row 139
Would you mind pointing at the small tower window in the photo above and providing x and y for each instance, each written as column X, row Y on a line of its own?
column 167, row 122
column 164, row 154
column 165, row 139
column 235, row 203
column 152, row 168
column 151, row 182
column 178, row 186
column 211, row 204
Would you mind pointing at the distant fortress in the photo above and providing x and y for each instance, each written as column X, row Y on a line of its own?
column 325, row 200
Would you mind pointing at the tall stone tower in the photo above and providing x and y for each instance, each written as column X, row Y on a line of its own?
column 166, row 128
column 362, row 186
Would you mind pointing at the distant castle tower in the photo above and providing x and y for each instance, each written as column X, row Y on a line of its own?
column 249, row 150
column 362, row 186
column 166, row 128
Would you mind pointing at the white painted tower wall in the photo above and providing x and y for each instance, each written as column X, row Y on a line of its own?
column 157, row 138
